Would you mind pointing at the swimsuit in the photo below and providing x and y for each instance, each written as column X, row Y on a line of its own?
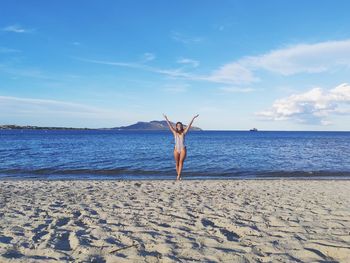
column 179, row 142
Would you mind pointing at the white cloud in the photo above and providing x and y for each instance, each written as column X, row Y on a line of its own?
column 325, row 123
column 179, row 37
column 192, row 62
column 17, row 29
column 314, row 106
column 232, row 73
column 176, row 88
column 302, row 58
column 148, row 56
column 235, row 89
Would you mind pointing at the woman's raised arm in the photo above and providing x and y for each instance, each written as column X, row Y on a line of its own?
column 189, row 126
column 169, row 124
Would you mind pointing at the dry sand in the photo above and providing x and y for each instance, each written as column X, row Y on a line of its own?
column 167, row 221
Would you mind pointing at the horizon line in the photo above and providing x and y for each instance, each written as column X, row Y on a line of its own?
column 116, row 128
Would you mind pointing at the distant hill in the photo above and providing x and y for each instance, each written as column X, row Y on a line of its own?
column 28, row 127
column 152, row 125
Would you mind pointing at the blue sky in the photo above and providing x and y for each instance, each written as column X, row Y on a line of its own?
column 274, row 65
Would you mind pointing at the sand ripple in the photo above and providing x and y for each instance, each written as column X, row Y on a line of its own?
column 167, row 221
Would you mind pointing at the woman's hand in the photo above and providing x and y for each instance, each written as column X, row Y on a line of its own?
column 168, row 122
column 189, row 126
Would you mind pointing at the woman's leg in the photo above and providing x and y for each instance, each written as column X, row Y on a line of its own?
column 181, row 162
column 177, row 160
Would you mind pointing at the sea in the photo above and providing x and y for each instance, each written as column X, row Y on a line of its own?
column 125, row 155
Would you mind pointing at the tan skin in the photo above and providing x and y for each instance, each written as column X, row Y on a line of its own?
column 179, row 157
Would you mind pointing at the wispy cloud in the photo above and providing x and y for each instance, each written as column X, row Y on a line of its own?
column 176, row 88
column 16, row 71
column 222, row 75
column 34, row 73
column 41, row 108
column 47, row 104
column 24, row 72
column 209, row 109
column 233, row 73
column 224, row 26
column 301, row 58
column 188, row 61
column 17, row 29
column 140, row 66
column 148, row 56
column 312, row 107
column 221, row 28
column 229, row 89
column 179, row 37
column 9, row 50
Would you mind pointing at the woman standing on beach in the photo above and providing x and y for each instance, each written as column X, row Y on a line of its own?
column 180, row 150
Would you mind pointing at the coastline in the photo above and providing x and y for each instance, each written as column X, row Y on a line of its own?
column 148, row 178
column 166, row 221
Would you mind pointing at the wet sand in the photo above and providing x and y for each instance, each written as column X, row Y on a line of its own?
column 168, row 221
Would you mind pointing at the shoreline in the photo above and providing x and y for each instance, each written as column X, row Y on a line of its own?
column 316, row 178
column 167, row 221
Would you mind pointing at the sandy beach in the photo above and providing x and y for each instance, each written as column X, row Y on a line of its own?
column 168, row 221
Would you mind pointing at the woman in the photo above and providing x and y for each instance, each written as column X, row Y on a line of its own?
column 180, row 150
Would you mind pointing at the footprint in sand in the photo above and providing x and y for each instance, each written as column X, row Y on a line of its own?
column 230, row 235
column 62, row 221
column 60, row 240
column 12, row 254
column 5, row 239
column 39, row 232
column 207, row 222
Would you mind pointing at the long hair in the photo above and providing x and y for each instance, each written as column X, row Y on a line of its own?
column 182, row 127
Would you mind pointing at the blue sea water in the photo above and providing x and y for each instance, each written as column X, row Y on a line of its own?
column 112, row 154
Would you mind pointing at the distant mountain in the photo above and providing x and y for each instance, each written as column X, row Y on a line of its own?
column 152, row 125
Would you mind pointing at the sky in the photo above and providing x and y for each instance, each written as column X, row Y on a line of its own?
column 273, row 65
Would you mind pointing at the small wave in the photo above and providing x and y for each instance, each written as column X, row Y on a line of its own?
column 51, row 171
column 125, row 173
